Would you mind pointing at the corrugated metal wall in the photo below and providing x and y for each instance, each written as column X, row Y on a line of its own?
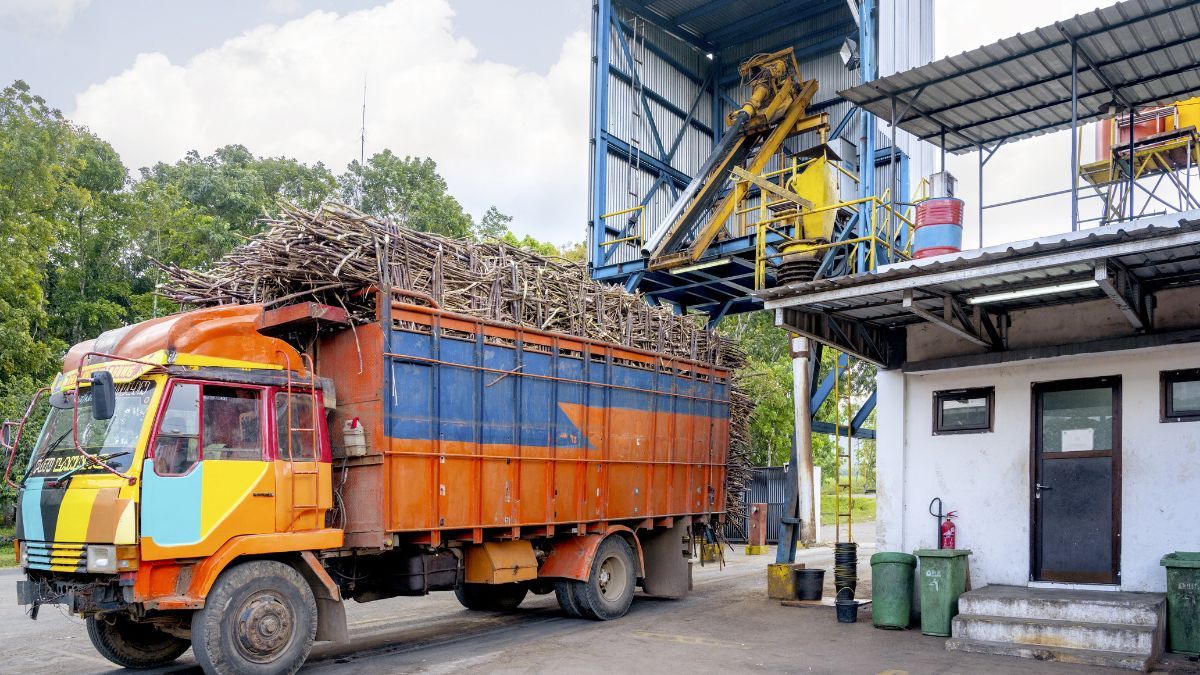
column 768, row 485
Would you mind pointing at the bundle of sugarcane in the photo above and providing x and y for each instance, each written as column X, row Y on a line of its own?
column 332, row 254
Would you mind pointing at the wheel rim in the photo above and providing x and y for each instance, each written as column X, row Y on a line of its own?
column 612, row 578
column 264, row 628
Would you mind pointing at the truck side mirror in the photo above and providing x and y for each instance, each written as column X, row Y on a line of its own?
column 104, row 395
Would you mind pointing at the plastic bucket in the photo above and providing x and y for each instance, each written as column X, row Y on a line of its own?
column 809, row 584
column 847, row 611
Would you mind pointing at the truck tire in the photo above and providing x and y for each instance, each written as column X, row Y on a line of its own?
column 565, row 591
column 259, row 618
column 491, row 597
column 130, row 644
column 608, row 592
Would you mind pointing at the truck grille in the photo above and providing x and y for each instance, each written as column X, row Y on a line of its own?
column 44, row 555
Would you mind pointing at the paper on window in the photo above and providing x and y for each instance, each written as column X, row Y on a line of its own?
column 1078, row 440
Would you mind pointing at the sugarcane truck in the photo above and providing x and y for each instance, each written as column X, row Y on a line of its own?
column 224, row 478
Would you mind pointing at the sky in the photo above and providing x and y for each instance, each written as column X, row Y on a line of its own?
column 496, row 92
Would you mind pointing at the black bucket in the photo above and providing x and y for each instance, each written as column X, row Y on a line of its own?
column 847, row 612
column 845, row 570
column 809, row 584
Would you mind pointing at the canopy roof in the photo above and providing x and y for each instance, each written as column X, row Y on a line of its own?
column 1133, row 53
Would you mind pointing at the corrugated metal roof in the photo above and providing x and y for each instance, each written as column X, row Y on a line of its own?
column 725, row 23
column 1158, row 251
column 1146, row 50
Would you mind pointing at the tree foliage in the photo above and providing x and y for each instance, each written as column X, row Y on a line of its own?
column 768, row 381
column 79, row 234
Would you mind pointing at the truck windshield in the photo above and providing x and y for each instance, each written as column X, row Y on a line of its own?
column 55, row 452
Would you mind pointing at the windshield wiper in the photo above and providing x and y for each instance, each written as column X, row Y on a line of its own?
column 62, row 480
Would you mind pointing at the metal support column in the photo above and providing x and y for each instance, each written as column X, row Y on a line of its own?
column 1074, row 139
column 866, row 147
column 1132, row 162
column 801, row 387
column 979, row 197
column 601, row 18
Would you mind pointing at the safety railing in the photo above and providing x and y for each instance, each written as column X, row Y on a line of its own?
column 885, row 239
column 637, row 222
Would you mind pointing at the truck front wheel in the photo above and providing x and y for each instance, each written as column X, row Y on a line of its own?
column 260, row 617
column 130, row 644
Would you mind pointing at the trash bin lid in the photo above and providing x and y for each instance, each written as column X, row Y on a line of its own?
column 1181, row 559
column 893, row 557
column 942, row 552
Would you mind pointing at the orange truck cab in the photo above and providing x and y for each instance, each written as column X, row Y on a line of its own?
column 186, row 490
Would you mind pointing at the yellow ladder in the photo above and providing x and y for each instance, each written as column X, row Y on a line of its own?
column 843, row 494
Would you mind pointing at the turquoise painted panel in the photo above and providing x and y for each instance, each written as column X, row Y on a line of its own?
column 31, row 510
column 171, row 506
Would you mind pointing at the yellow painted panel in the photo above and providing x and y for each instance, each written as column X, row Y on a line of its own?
column 74, row 514
column 126, row 524
column 228, row 485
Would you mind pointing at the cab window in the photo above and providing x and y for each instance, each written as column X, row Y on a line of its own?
column 178, row 447
column 231, row 424
column 213, row 422
column 300, row 422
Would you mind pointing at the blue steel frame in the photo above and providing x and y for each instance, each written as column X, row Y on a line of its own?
column 719, row 292
column 722, row 288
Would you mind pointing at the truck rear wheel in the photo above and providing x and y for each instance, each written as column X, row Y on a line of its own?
column 260, row 617
column 608, row 592
column 491, row 597
column 565, row 591
column 130, row 644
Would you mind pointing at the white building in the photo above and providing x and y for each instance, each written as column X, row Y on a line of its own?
column 1048, row 391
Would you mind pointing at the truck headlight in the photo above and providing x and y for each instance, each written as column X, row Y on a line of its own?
column 23, row 553
column 102, row 559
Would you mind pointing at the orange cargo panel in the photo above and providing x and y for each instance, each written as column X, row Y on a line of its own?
column 482, row 430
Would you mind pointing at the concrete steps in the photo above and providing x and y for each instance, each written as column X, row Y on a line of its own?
column 1098, row 628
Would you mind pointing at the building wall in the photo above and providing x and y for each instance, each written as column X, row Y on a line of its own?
column 986, row 477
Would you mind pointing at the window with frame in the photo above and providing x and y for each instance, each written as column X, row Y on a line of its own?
column 964, row 411
column 299, row 419
column 1180, row 395
column 213, row 422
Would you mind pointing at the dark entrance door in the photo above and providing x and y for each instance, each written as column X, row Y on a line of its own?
column 1077, row 481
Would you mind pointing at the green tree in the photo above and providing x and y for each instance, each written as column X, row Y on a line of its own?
column 493, row 225
column 236, row 188
column 767, row 378
column 408, row 191
column 35, row 141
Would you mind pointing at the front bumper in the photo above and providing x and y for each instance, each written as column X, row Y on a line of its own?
column 80, row 594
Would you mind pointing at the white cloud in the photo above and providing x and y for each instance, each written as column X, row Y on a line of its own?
column 40, row 15
column 500, row 135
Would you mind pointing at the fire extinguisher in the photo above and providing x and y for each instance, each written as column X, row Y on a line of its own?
column 949, row 531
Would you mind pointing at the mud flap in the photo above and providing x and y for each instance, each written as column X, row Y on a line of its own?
column 666, row 556
column 331, row 612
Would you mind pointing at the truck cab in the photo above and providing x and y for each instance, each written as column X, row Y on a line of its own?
column 173, row 449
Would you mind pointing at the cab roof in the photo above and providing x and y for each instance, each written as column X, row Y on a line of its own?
column 210, row 336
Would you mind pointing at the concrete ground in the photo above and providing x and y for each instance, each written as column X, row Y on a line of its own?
column 726, row 624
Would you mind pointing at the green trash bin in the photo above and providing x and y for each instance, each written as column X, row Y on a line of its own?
column 1183, row 602
column 891, row 589
column 943, row 578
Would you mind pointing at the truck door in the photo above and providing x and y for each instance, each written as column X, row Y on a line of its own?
column 302, row 475
column 207, row 478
